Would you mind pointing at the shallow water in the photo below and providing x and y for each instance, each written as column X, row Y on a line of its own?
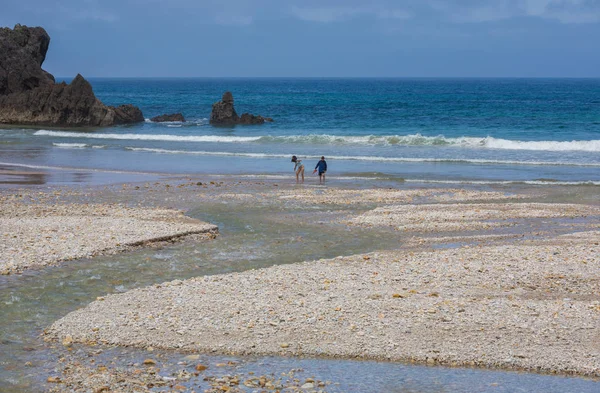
column 457, row 130
column 251, row 236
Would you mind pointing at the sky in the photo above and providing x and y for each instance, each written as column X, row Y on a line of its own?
column 315, row 38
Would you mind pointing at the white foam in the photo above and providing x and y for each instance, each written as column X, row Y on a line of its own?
column 209, row 153
column 369, row 158
column 590, row 146
column 404, row 140
column 147, row 137
column 71, row 145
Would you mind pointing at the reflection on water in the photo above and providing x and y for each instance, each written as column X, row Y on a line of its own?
column 22, row 178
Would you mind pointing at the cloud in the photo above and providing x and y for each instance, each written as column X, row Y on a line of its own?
column 341, row 13
column 461, row 11
column 563, row 11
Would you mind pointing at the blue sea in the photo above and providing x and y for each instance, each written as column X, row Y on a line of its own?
column 480, row 131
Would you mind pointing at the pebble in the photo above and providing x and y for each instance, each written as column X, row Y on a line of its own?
column 476, row 323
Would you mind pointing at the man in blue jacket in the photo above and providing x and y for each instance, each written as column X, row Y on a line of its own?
column 322, row 167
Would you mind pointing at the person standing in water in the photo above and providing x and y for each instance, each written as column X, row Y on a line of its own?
column 298, row 168
column 322, row 167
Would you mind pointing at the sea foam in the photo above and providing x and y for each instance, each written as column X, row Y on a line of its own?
column 404, row 140
column 71, row 145
column 366, row 158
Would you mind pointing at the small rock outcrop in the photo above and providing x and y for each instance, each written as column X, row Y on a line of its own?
column 224, row 114
column 165, row 117
column 30, row 96
column 247, row 118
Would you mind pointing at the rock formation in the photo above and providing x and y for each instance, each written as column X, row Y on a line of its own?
column 224, row 114
column 30, row 96
column 247, row 118
column 165, row 117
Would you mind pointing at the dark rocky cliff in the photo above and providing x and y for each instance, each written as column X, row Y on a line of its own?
column 30, row 96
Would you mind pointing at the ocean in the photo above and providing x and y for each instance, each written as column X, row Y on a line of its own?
column 455, row 131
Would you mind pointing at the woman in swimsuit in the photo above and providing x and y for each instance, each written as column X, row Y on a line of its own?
column 298, row 168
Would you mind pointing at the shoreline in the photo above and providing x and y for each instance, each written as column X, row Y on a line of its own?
column 19, row 175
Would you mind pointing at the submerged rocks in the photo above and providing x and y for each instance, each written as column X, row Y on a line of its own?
column 30, row 96
column 247, row 118
column 224, row 114
column 165, row 117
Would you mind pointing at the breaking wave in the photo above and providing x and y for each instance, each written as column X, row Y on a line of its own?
column 71, row 145
column 148, row 137
column 320, row 139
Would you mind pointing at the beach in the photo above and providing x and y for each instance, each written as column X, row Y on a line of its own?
column 501, row 278
column 37, row 234
column 453, row 242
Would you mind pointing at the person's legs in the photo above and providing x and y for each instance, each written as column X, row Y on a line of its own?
column 297, row 175
column 302, row 173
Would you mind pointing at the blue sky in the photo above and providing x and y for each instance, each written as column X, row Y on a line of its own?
column 375, row 38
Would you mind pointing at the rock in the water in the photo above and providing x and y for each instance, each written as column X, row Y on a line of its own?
column 29, row 95
column 165, row 117
column 247, row 118
column 127, row 113
column 224, row 114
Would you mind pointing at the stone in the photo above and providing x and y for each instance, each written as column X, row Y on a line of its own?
column 30, row 96
column 67, row 341
column 247, row 118
column 224, row 114
column 171, row 117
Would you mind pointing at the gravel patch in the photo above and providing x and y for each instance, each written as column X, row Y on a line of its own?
column 520, row 306
column 387, row 196
column 455, row 217
column 38, row 234
column 189, row 376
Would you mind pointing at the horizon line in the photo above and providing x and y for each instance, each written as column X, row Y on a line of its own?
column 335, row 77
